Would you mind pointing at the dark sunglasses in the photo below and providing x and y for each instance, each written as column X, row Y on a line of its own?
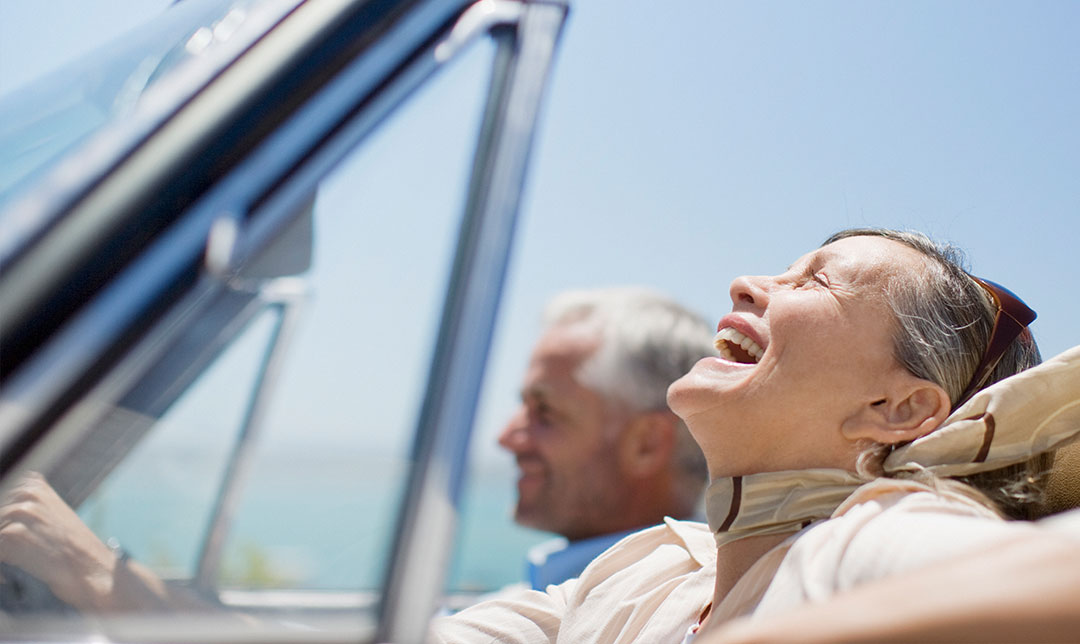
column 1013, row 316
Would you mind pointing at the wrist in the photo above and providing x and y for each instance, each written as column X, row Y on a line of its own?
column 102, row 580
column 121, row 555
column 89, row 585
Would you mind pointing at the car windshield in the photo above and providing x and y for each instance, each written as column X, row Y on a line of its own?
column 237, row 485
column 43, row 121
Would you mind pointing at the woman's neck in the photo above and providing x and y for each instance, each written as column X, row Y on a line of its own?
column 750, row 515
column 734, row 559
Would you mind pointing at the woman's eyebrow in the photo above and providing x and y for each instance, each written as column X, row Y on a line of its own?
column 823, row 256
column 812, row 261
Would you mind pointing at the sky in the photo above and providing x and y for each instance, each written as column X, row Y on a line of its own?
column 689, row 142
column 685, row 143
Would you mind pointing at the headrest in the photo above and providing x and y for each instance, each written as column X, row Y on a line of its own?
column 1034, row 411
column 1063, row 484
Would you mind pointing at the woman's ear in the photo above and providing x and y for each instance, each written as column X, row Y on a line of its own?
column 915, row 408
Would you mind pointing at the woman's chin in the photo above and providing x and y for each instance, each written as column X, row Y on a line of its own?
column 683, row 396
column 705, row 386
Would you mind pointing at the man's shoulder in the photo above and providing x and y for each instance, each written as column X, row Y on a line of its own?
column 692, row 536
column 653, row 556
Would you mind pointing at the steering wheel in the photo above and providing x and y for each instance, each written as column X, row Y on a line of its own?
column 21, row 592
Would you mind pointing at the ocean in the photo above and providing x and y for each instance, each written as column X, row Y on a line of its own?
column 304, row 521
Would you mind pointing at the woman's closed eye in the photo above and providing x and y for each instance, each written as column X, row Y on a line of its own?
column 812, row 279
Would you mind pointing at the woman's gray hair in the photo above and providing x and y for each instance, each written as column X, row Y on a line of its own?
column 944, row 320
column 647, row 341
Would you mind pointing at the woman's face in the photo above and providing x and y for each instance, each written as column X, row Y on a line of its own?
column 818, row 352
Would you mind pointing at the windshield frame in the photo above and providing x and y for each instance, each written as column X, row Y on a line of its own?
column 98, row 346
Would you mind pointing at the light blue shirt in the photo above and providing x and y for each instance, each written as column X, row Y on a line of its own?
column 556, row 560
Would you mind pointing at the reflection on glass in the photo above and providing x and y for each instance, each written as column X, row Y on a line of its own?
column 320, row 510
column 317, row 508
column 157, row 502
column 41, row 122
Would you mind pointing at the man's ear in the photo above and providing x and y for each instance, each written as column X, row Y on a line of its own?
column 912, row 408
column 647, row 443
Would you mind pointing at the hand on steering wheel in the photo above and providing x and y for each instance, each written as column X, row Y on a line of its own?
column 43, row 537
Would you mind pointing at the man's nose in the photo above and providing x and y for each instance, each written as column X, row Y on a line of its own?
column 515, row 435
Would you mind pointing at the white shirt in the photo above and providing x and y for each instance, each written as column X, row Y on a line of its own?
column 556, row 560
column 653, row 585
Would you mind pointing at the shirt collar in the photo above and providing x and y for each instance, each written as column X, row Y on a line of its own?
column 774, row 502
column 556, row 560
column 697, row 539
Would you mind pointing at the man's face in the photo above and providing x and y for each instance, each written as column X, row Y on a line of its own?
column 565, row 438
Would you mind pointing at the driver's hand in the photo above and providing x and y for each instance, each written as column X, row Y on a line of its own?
column 42, row 535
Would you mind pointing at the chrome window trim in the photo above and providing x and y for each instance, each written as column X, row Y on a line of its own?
column 166, row 357
column 164, row 176
column 428, row 517
column 286, row 295
column 39, row 205
column 33, row 396
column 315, row 146
column 261, row 198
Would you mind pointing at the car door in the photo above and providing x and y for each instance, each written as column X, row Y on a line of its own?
column 159, row 264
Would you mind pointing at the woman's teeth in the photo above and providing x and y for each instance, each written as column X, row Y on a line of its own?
column 736, row 347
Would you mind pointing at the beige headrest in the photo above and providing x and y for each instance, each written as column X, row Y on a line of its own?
column 1063, row 486
column 1032, row 412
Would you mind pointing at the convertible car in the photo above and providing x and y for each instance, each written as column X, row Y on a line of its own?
column 251, row 260
column 172, row 212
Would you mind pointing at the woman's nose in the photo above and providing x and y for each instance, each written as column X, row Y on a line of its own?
column 750, row 290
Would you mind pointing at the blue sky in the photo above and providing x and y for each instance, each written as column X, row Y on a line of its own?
column 686, row 142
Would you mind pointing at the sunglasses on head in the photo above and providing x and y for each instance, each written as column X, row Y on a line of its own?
column 1013, row 316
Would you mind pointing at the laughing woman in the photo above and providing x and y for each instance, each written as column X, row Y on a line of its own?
column 833, row 450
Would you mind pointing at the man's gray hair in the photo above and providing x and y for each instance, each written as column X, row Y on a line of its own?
column 647, row 341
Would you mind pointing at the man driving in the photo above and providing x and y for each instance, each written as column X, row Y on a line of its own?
column 598, row 451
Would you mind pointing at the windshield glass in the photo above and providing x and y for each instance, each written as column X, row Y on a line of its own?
column 41, row 122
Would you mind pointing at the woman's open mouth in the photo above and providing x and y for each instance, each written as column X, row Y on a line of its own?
column 737, row 347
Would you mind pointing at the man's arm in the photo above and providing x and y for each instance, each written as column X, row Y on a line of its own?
column 42, row 535
column 1025, row 589
column 521, row 616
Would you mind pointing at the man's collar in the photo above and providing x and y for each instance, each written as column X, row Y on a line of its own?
column 556, row 560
